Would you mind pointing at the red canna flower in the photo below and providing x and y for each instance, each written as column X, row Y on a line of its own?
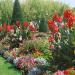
column 50, row 22
column 55, row 17
column 1, row 28
column 72, row 18
column 4, row 26
column 9, row 28
column 26, row 24
column 59, row 19
column 51, row 25
column 67, row 14
column 18, row 23
column 51, row 47
column 56, row 29
column 70, row 22
column 51, row 39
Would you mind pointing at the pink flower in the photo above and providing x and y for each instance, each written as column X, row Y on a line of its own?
column 62, row 26
column 59, row 73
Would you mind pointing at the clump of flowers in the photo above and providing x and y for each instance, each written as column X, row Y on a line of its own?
column 62, row 32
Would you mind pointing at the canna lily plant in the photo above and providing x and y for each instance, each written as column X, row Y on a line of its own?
column 62, row 38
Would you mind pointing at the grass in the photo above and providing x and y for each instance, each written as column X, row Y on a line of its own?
column 7, row 69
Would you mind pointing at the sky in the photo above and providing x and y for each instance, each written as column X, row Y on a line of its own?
column 71, row 3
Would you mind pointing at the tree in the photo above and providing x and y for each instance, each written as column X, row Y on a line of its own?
column 43, row 25
column 17, row 14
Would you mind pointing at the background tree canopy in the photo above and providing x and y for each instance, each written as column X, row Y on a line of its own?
column 32, row 10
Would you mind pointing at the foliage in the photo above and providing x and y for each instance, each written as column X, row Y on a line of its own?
column 40, row 45
column 30, row 11
column 40, row 13
column 17, row 14
column 5, row 11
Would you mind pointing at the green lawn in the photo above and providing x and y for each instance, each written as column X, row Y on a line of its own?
column 7, row 69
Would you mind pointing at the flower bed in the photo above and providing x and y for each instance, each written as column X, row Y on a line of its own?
column 33, row 53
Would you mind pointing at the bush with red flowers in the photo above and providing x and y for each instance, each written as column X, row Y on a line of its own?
column 62, row 39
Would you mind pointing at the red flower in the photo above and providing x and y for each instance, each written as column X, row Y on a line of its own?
column 56, row 29
column 59, row 19
column 51, row 47
column 67, row 14
column 12, row 27
column 50, row 22
column 9, row 28
column 67, row 72
column 70, row 22
column 26, row 24
column 51, row 39
column 1, row 28
column 32, row 28
column 18, row 23
column 55, row 17
column 5, row 26
column 51, row 25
